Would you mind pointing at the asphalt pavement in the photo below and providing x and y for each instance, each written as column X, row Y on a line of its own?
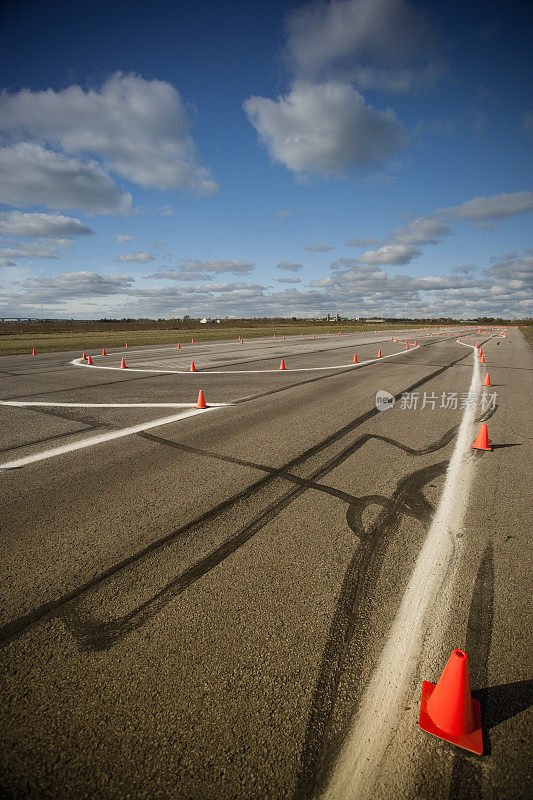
column 203, row 604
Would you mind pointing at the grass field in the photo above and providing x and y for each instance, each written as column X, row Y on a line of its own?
column 94, row 337
column 19, row 338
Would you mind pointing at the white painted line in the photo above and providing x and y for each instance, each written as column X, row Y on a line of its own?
column 78, row 362
column 104, row 437
column 24, row 403
column 382, row 703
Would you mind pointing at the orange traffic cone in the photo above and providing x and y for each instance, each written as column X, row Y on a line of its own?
column 339, row 333
column 379, row 353
column 482, row 359
column 193, row 368
column 486, row 382
column 178, row 346
column 201, row 400
column 477, row 344
column 242, row 341
column 84, row 357
column 415, row 344
column 282, row 365
column 482, row 440
column 123, row 364
column 33, row 351
column 89, row 361
column 354, row 358
column 103, row 351
column 283, row 338
column 448, row 710
column 192, row 341
column 480, row 352
column 126, row 344
column 314, row 336
column 407, row 345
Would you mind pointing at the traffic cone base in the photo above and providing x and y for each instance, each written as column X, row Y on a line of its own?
column 482, row 439
column 468, row 741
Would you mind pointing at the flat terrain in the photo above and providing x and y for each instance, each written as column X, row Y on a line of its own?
column 243, row 601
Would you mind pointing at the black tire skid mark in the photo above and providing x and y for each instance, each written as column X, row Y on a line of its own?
column 53, row 608
column 357, row 587
column 99, row 635
column 353, row 611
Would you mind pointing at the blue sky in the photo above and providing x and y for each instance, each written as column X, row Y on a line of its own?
column 366, row 157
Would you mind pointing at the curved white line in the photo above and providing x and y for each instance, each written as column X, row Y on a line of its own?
column 77, row 362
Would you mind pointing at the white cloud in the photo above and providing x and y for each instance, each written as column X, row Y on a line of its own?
column 289, row 266
column 368, row 290
column 513, row 272
column 424, row 230
column 288, row 280
column 180, row 275
column 387, row 44
column 319, row 248
column 29, row 250
column 199, row 268
column 124, row 237
column 33, row 176
column 17, row 223
column 391, row 254
column 361, row 242
column 140, row 258
column 324, row 129
column 139, row 128
column 60, row 289
column 465, row 269
column 493, row 207
column 6, row 262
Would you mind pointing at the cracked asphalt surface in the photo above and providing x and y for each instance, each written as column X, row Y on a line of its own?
column 194, row 610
